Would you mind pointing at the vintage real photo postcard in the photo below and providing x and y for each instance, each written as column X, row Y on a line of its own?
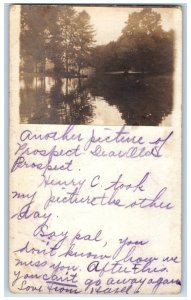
column 95, row 149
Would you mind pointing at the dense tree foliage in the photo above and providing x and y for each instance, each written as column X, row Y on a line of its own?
column 57, row 33
column 143, row 46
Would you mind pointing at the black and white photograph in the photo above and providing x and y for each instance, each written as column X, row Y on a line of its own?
column 97, row 65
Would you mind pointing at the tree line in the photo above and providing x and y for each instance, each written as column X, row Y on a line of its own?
column 66, row 38
column 143, row 46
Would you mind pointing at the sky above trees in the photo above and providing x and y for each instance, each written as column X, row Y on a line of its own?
column 108, row 22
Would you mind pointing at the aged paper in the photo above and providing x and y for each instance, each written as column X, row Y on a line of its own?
column 95, row 149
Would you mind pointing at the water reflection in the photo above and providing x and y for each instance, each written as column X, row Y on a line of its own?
column 112, row 99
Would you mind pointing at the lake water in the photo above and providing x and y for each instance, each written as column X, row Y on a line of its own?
column 111, row 99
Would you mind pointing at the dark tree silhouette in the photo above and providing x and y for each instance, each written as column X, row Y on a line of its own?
column 143, row 46
column 57, row 33
column 83, row 40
